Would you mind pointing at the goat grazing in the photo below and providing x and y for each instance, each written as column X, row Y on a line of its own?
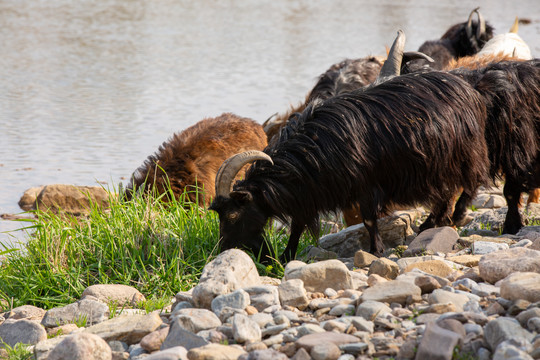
column 511, row 92
column 405, row 141
column 460, row 40
column 189, row 160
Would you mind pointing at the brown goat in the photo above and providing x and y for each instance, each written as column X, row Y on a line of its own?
column 190, row 159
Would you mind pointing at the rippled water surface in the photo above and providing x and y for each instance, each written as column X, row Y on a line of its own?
column 89, row 89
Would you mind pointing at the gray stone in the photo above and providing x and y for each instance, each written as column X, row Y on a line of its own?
column 361, row 324
column 28, row 312
column 127, row 328
column 440, row 296
column 437, row 343
column 114, row 293
column 319, row 276
column 442, row 239
column 484, row 289
column 293, row 293
column 369, row 309
column 245, row 330
column 231, row 270
column 533, row 324
column 325, row 351
column 486, row 247
column 309, row 341
column 521, row 285
column 196, row 320
column 215, row 351
column 342, row 309
column 178, row 336
column 81, row 346
column 397, row 291
column 152, row 342
column 93, row 311
column 21, row 331
column 266, row 354
column 263, row 296
column 524, row 316
column 510, row 352
column 498, row 265
column 174, row 353
column 262, row 319
column 238, row 299
column 504, row 328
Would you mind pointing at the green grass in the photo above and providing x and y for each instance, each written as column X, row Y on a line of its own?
column 158, row 247
column 18, row 352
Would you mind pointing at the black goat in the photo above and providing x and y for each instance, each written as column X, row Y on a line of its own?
column 406, row 141
column 511, row 93
column 460, row 40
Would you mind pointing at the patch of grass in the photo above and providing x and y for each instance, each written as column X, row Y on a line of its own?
column 159, row 248
column 154, row 303
column 81, row 321
column 18, row 352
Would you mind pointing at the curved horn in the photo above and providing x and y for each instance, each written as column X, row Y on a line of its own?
column 392, row 65
column 416, row 55
column 515, row 27
column 468, row 28
column 481, row 29
column 228, row 170
column 268, row 120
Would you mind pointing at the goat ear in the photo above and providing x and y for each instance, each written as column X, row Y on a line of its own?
column 243, row 197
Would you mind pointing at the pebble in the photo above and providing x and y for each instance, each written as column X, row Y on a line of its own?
column 387, row 308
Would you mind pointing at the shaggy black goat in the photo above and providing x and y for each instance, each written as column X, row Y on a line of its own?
column 511, row 93
column 190, row 159
column 406, row 141
column 460, row 40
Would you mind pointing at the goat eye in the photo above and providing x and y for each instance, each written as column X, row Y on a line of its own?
column 232, row 216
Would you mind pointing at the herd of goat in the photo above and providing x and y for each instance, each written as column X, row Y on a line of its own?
column 418, row 128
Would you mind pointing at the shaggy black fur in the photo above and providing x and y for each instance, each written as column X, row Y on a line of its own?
column 511, row 92
column 406, row 141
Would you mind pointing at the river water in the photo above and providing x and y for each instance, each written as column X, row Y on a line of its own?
column 89, row 89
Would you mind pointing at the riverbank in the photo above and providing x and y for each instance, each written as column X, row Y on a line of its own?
column 144, row 280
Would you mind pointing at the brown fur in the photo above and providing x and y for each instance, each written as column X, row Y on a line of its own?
column 192, row 157
column 476, row 62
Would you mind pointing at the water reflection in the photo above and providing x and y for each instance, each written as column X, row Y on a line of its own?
column 90, row 89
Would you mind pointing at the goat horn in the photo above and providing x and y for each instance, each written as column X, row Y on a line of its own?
column 228, row 170
column 416, row 55
column 268, row 120
column 469, row 23
column 392, row 65
column 481, row 25
column 515, row 27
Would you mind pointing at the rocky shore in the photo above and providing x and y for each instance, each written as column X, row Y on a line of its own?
column 444, row 296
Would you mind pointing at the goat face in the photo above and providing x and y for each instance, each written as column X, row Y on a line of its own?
column 241, row 223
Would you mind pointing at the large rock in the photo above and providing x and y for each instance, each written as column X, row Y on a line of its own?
column 231, row 270
column 71, row 199
column 93, row 311
column 21, row 331
column 432, row 267
column 178, row 336
column 263, row 296
column 498, row 265
column 28, row 200
column 437, row 343
column 320, row 276
column 245, row 330
column 502, row 329
column 81, row 346
column 524, row 286
column 215, row 351
column 309, row 341
column 127, row 328
column 28, row 312
column 394, row 230
column 440, row 296
column 115, row 293
column 430, row 241
column 397, row 291
column 293, row 293
column 384, row 267
column 196, row 320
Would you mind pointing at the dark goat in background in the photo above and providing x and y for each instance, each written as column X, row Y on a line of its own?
column 189, row 160
column 511, row 93
column 406, row 141
column 460, row 40
column 347, row 75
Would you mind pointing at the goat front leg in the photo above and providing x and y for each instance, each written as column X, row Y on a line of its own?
column 512, row 192
column 290, row 251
